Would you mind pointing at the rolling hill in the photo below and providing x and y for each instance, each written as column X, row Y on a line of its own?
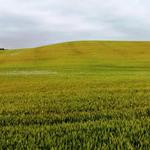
column 74, row 51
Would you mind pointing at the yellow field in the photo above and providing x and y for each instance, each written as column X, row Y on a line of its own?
column 76, row 95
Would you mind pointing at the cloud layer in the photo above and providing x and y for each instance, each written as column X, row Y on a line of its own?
column 34, row 22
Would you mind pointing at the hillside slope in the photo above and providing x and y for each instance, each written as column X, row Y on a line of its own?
column 78, row 53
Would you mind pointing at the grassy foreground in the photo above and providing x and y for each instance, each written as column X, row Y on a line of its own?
column 76, row 95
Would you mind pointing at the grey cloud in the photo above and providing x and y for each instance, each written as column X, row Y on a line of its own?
column 34, row 22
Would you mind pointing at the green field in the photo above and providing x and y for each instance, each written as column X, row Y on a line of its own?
column 77, row 95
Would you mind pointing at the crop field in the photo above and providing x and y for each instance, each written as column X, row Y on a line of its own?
column 76, row 95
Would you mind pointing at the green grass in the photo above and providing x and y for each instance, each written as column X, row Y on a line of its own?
column 76, row 95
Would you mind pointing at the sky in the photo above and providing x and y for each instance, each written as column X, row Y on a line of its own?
column 32, row 23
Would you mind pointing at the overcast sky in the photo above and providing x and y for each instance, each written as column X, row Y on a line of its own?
column 29, row 23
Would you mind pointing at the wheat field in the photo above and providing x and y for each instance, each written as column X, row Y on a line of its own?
column 76, row 95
